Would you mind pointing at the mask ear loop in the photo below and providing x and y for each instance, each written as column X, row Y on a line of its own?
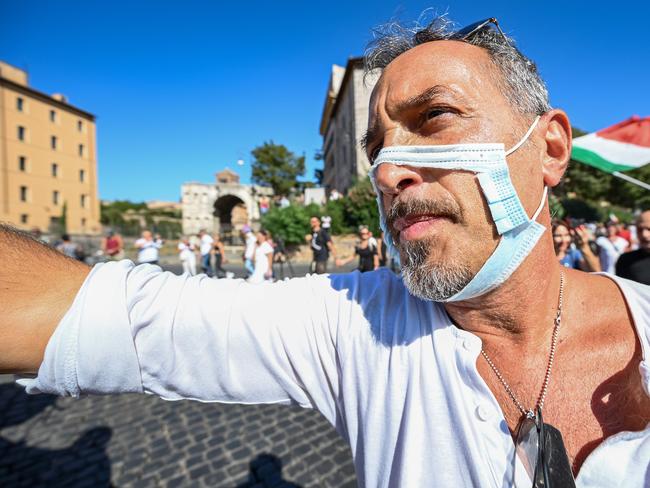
column 523, row 139
column 541, row 204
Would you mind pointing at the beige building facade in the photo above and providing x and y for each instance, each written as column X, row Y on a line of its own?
column 343, row 123
column 48, row 159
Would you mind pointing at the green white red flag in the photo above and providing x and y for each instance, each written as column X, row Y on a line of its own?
column 621, row 147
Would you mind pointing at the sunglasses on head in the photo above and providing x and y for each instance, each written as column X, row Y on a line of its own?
column 468, row 31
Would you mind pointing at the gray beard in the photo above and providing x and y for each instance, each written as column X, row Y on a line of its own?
column 436, row 282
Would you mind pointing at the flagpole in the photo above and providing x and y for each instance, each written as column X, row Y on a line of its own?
column 629, row 179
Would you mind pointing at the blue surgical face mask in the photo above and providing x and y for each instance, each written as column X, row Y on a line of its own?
column 519, row 233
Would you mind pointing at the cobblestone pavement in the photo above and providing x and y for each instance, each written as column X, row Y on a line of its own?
column 142, row 441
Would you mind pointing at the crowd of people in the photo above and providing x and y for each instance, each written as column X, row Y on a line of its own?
column 612, row 247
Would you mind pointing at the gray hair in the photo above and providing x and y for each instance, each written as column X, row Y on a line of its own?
column 521, row 83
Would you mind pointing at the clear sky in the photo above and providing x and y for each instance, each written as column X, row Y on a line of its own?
column 184, row 89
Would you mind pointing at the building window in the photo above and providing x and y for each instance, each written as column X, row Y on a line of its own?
column 80, row 126
column 83, row 222
column 22, row 133
column 81, row 150
column 52, row 116
column 82, row 175
column 22, row 163
column 20, row 104
column 53, row 142
column 55, row 170
column 55, row 197
column 82, row 201
column 23, row 193
column 24, row 218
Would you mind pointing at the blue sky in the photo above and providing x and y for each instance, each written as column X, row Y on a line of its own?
column 184, row 89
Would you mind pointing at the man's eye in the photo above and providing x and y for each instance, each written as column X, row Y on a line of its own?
column 430, row 114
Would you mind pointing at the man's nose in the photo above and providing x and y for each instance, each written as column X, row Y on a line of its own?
column 392, row 178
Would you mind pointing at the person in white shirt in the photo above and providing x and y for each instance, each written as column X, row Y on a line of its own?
column 205, row 249
column 250, row 244
column 148, row 248
column 438, row 377
column 263, row 259
column 187, row 256
column 610, row 247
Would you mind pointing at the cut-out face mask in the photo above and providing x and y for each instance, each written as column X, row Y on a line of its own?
column 519, row 232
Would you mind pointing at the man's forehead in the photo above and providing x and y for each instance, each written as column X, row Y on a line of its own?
column 456, row 65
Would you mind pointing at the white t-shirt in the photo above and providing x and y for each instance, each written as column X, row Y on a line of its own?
column 261, row 262
column 391, row 372
column 147, row 250
column 251, row 244
column 609, row 251
column 206, row 244
column 186, row 252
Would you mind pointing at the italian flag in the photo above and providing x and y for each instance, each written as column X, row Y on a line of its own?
column 621, row 147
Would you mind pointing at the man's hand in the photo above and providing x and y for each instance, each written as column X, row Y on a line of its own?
column 37, row 286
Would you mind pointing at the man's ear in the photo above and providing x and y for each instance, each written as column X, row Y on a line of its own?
column 557, row 151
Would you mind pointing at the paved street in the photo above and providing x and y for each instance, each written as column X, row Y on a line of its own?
column 142, row 441
column 139, row 440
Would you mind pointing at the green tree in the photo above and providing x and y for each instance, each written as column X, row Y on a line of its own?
column 361, row 206
column 63, row 222
column 275, row 166
column 290, row 223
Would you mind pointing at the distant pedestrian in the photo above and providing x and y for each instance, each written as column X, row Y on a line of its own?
column 572, row 247
column 610, row 247
column 148, row 248
column 263, row 256
column 321, row 246
column 250, row 243
column 113, row 246
column 635, row 265
column 219, row 253
column 187, row 255
column 366, row 249
column 205, row 248
column 265, row 204
column 69, row 248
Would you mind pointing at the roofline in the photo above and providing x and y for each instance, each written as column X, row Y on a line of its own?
column 352, row 61
column 46, row 98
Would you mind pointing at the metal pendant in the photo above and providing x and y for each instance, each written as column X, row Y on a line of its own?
column 542, row 453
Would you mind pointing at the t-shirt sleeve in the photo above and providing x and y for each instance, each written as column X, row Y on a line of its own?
column 138, row 329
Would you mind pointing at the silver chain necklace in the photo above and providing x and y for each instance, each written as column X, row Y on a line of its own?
column 547, row 377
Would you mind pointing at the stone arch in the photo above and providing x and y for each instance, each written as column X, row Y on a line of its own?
column 231, row 213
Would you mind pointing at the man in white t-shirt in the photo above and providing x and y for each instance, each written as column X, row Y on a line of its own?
column 148, row 248
column 187, row 256
column 250, row 243
column 205, row 249
column 610, row 247
column 263, row 259
column 430, row 376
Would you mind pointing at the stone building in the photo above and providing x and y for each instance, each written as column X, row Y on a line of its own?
column 48, row 159
column 224, row 206
column 343, row 123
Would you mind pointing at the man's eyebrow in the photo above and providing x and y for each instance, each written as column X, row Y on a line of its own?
column 406, row 105
column 422, row 98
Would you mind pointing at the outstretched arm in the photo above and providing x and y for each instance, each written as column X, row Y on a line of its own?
column 37, row 286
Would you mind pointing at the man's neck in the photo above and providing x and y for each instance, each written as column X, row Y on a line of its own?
column 521, row 311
